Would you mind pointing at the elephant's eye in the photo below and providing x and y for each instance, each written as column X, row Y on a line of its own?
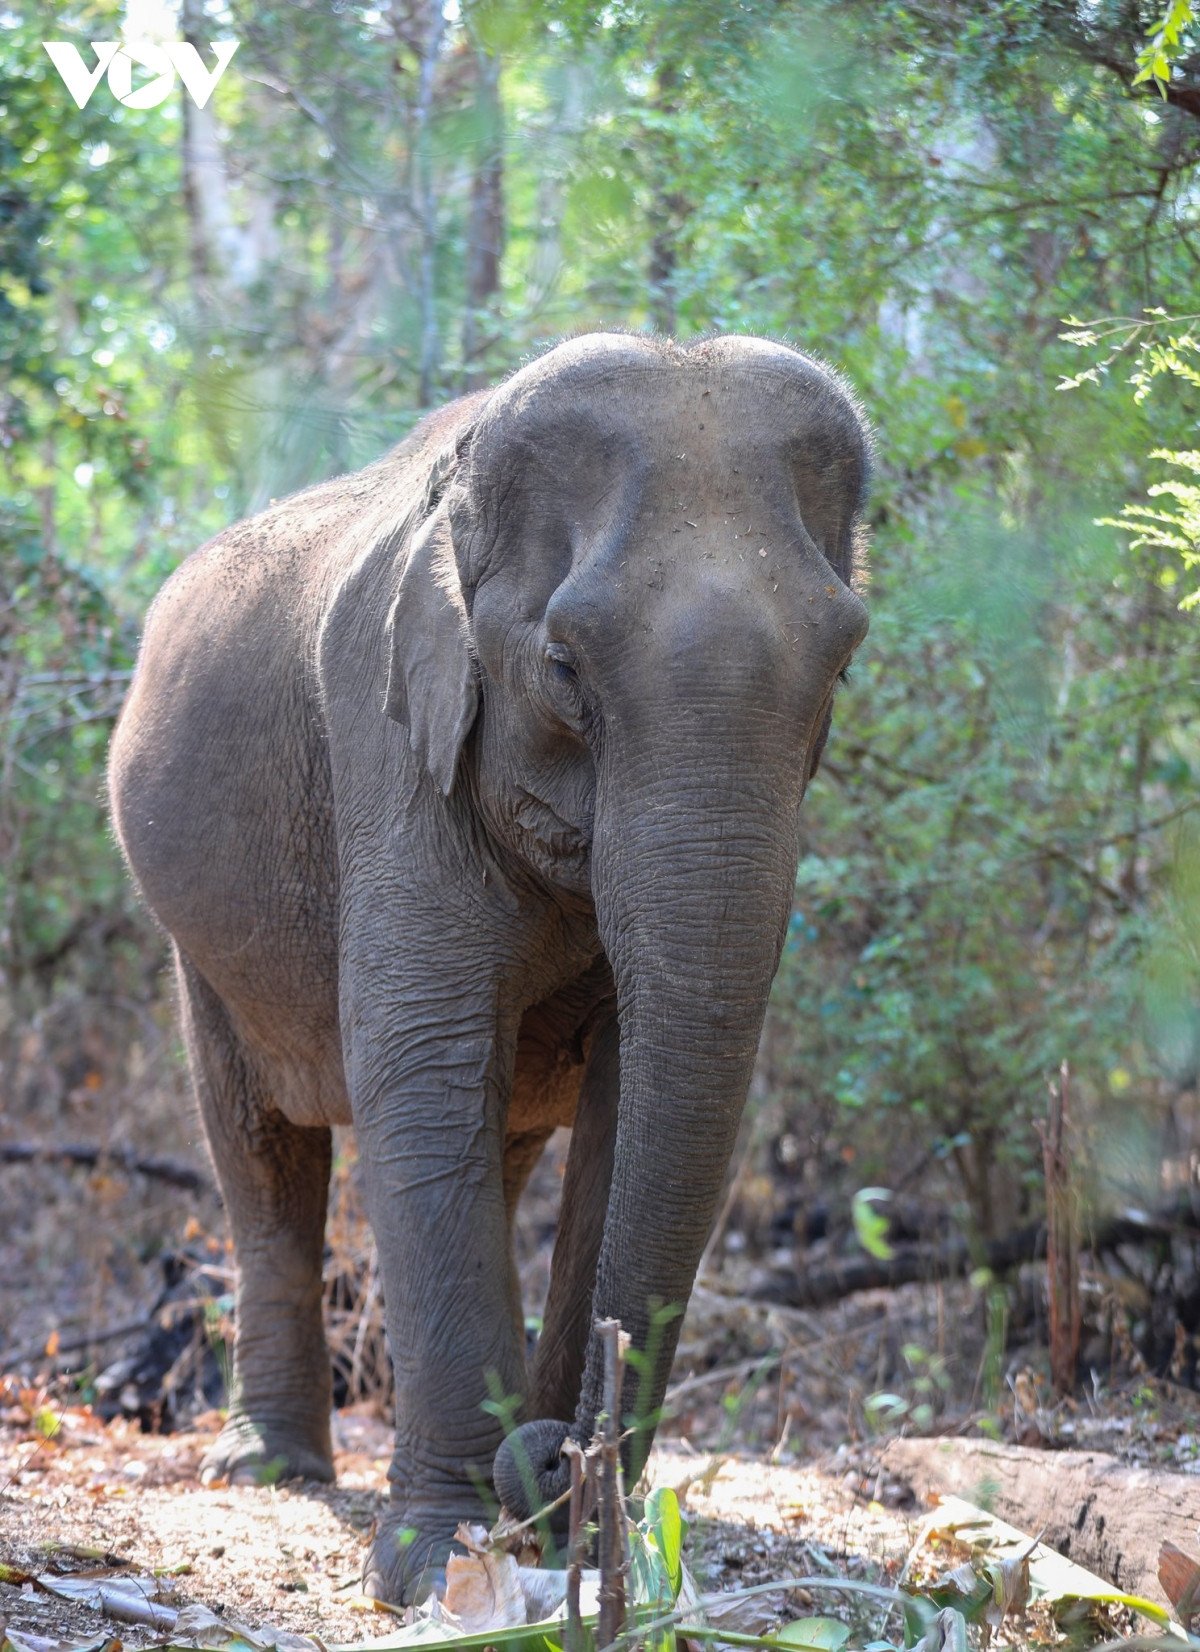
column 562, row 662
column 564, row 693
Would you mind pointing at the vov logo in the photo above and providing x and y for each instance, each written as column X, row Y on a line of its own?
column 117, row 57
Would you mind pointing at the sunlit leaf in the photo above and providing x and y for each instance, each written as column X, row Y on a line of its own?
column 870, row 1225
column 814, row 1635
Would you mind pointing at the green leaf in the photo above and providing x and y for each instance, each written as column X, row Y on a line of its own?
column 665, row 1525
column 531, row 1637
column 870, row 1226
column 648, row 1572
column 963, row 1589
column 817, row 1634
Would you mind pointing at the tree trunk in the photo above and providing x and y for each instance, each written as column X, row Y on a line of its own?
column 485, row 224
column 227, row 257
column 425, row 197
column 669, row 210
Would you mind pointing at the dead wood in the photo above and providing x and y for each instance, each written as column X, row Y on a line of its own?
column 14, row 1357
column 612, row 1539
column 1102, row 1513
column 953, row 1258
column 1062, row 1237
column 173, row 1171
column 574, row 1640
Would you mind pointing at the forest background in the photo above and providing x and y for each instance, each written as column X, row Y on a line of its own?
column 974, row 211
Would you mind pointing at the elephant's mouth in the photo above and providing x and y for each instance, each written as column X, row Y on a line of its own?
column 552, row 843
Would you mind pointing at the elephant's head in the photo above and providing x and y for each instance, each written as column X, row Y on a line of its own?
column 637, row 590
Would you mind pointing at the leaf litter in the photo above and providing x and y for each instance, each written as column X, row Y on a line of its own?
column 1007, row 1572
column 493, row 1600
column 748, row 1510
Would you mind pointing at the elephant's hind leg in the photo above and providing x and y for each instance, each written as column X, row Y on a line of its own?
column 274, row 1178
column 562, row 1347
column 530, row 1471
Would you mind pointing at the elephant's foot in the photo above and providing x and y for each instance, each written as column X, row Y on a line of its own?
column 257, row 1453
column 407, row 1562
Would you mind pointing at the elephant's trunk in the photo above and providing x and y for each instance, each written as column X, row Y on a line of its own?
column 693, row 891
column 693, row 926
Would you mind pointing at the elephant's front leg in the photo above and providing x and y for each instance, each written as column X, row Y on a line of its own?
column 429, row 1069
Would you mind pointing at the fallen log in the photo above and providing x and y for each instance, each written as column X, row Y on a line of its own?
column 1100, row 1512
column 173, row 1171
column 953, row 1258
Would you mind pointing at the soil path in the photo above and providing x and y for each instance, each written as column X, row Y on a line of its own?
column 291, row 1557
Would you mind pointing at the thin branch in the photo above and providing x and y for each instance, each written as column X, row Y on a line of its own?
column 172, row 1171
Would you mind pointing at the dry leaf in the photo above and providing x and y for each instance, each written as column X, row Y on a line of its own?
column 128, row 1599
column 1054, row 1578
column 544, row 1591
column 963, row 1580
column 198, row 1628
column 22, row 1640
column 947, row 1633
column 1179, row 1575
column 740, row 1614
column 474, row 1538
column 751, row 1616
column 1010, row 1587
column 483, row 1590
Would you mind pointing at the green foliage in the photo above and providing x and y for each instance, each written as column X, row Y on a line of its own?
column 1007, row 1570
column 814, row 1635
column 656, row 1564
column 970, row 905
column 1172, row 528
column 1159, row 346
column 994, row 865
column 928, row 1381
column 1166, row 43
column 871, row 1225
column 661, row 1537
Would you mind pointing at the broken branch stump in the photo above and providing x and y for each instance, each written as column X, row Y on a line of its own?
column 1062, row 1238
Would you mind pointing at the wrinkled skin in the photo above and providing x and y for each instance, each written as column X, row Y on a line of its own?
column 467, row 788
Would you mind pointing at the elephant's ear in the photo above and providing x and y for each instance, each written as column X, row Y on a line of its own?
column 433, row 684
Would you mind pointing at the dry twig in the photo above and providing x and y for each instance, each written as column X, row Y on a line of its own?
column 575, row 1639
column 613, row 1542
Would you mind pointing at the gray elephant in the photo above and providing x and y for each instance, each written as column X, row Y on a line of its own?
column 467, row 788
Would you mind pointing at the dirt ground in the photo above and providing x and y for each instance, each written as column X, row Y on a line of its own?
column 792, row 1407
column 291, row 1557
column 761, row 1392
column 766, row 1394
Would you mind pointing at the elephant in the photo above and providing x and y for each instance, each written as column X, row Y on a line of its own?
column 467, row 789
